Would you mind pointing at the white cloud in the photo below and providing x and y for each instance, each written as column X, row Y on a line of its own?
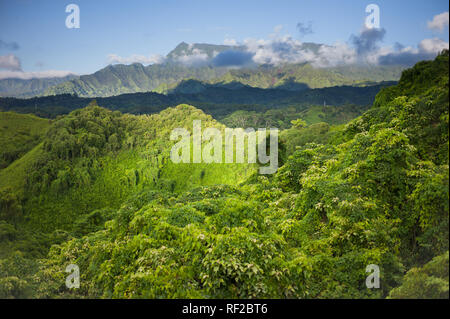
column 277, row 51
column 337, row 54
column 10, row 62
column 284, row 49
column 195, row 58
column 374, row 56
column 10, row 68
column 427, row 49
column 361, row 49
column 439, row 22
column 136, row 58
column 30, row 75
column 434, row 45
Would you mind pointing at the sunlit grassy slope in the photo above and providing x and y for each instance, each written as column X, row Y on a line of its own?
column 19, row 133
column 81, row 184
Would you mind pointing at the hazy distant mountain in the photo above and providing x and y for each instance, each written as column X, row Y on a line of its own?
column 198, row 61
column 30, row 87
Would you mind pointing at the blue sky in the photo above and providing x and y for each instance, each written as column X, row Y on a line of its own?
column 34, row 31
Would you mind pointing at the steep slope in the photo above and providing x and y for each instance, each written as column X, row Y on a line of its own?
column 119, row 79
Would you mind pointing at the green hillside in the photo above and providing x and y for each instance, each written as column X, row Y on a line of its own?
column 100, row 192
column 282, row 118
column 19, row 133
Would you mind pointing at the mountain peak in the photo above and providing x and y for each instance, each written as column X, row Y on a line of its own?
column 188, row 49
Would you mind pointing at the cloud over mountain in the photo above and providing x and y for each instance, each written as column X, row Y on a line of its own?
column 278, row 50
column 426, row 50
column 34, row 75
column 364, row 48
column 196, row 57
column 136, row 58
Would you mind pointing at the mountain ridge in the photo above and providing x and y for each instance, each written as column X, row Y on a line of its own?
column 116, row 79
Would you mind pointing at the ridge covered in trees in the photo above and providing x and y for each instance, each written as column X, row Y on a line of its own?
column 219, row 100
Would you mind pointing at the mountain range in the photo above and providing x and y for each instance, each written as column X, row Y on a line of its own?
column 199, row 61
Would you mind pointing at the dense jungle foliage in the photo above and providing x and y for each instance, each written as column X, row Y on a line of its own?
column 98, row 190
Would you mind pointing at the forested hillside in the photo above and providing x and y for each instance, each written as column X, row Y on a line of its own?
column 99, row 191
column 216, row 100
